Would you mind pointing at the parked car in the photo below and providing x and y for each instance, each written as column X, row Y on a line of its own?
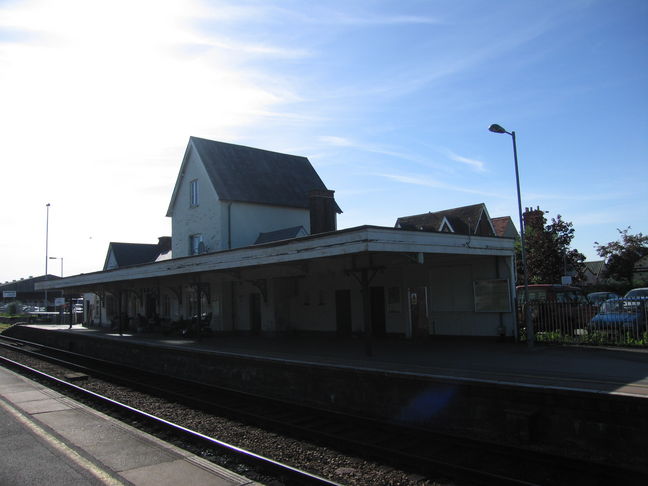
column 597, row 298
column 621, row 315
column 640, row 292
column 553, row 307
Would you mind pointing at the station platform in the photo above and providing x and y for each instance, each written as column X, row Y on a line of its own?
column 593, row 369
column 46, row 438
column 580, row 401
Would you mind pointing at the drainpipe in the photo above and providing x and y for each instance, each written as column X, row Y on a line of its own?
column 229, row 226
column 366, row 311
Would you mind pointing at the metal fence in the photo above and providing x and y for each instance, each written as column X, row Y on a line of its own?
column 617, row 322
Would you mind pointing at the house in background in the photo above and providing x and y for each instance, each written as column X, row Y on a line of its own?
column 504, row 227
column 594, row 272
column 126, row 254
column 466, row 220
column 256, row 250
column 227, row 195
column 640, row 271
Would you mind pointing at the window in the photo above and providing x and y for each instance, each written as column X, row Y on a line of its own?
column 196, row 244
column 193, row 193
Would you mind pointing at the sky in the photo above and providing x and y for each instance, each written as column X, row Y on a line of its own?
column 390, row 101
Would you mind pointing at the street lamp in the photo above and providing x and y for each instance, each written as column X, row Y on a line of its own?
column 57, row 258
column 46, row 247
column 495, row 128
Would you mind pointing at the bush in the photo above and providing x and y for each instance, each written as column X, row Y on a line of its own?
column 14, row 308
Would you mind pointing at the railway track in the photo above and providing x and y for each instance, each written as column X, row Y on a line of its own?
column 432, row 455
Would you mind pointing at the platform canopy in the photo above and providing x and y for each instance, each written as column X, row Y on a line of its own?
column 352, row 241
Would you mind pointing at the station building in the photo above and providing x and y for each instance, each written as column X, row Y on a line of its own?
column 255, row 249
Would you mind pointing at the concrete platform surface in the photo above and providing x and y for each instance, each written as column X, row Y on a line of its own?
column 46, row 438
column 580, row 368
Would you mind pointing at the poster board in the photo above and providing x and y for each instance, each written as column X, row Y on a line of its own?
column 492, row 295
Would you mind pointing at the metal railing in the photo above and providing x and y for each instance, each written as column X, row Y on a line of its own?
column 616, row 322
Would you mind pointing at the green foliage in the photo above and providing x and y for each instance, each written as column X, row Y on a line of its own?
column 621, row 255
column 590, row 338
column 548, row 252
column 14, row 308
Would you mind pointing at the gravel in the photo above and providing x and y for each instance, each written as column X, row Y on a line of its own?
column 316, row 459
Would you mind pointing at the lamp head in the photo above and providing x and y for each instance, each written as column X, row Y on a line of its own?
column 495, row 128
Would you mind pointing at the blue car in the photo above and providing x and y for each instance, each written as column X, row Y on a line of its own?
column 623, row 314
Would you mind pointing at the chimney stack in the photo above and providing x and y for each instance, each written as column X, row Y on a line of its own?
column 323, row 213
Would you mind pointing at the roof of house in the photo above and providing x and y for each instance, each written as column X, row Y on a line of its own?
column 282, row 234
column 595, row 267
column 132, row 253
column 247, row 174
column 462, row 220
column 503, row 223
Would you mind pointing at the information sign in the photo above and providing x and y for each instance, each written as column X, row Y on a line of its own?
column 492, row 295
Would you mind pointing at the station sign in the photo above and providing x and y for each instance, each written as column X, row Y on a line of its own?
column 8, row 293
column 59, row 301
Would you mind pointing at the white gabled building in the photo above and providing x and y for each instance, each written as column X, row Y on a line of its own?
column 226, row 195
column 255, row 249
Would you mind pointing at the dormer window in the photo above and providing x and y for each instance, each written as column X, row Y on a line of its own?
column 445, row 226
column 193, row 193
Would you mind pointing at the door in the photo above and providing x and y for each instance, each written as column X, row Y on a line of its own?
column 343, row 312
column 377, row 306
column 255, row 313
column 418, row 311
column 150, row 306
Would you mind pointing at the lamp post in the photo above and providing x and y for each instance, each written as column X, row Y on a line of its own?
column 527, row 316
column 57, row 258
column 61, row 312
column 46, row 248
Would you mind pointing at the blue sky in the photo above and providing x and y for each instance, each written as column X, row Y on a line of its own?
column 390, row 101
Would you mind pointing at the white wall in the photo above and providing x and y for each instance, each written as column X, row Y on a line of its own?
column 214, row 219
column 202, row 219
column 248, row 220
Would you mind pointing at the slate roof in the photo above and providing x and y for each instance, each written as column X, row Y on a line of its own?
column 132, row 253
column 282, row 234
column 465, row 220
column 246, row 174
column 595, row 267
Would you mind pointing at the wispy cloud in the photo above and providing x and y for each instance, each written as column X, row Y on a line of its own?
column 428, row 182
column 372, row 20
column 478, row 165
column 346, row 142
column 336, row 141
column 574, row 196
column 256, row 49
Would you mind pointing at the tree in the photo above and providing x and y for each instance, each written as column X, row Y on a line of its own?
column 621, row 255
column 14, row 308
column 548, row 252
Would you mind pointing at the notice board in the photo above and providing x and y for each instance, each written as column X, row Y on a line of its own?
column 492, row 295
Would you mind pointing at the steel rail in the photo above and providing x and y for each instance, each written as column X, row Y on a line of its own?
column 385, row 448
column 289, row 474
